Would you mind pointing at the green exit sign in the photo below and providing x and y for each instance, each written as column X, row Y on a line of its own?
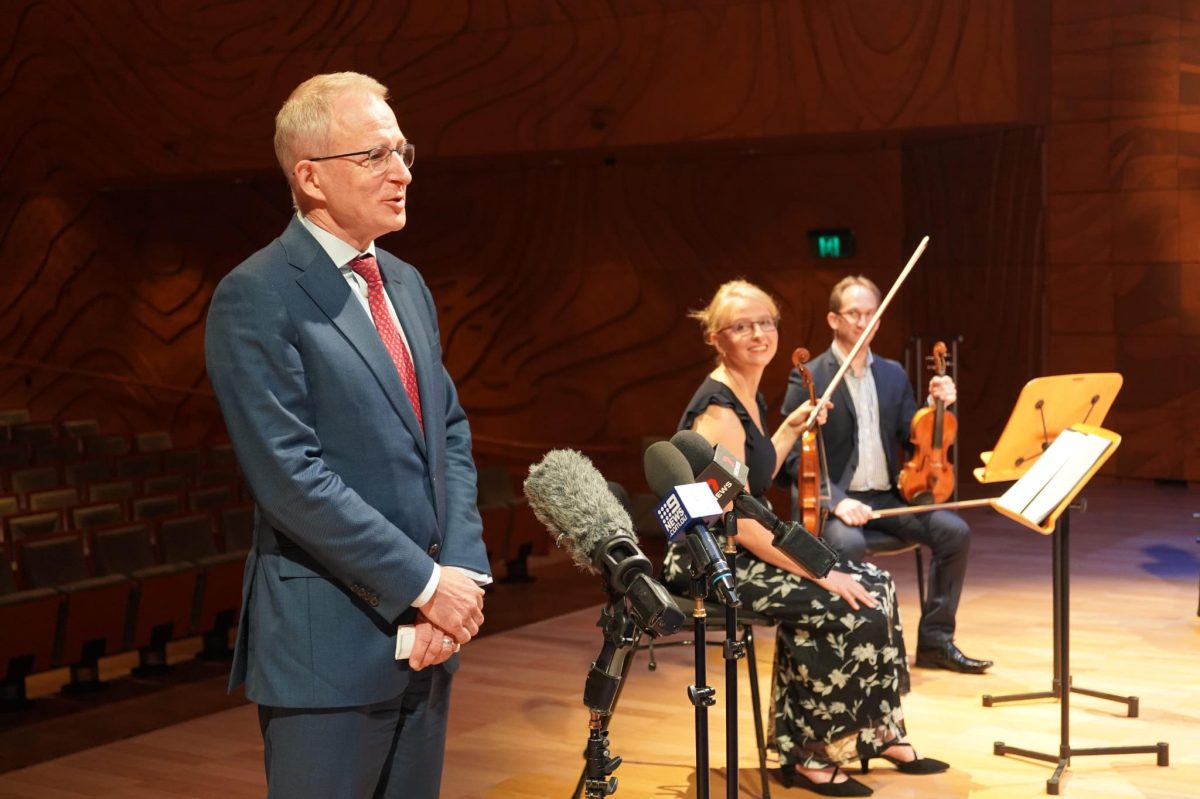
column 832, row 243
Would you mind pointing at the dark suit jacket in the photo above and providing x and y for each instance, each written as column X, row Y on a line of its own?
column 840, row 432
column 354, row 504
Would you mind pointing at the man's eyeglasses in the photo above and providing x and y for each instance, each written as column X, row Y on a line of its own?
column 378, row 159
column 745, row 327
column 854, row 317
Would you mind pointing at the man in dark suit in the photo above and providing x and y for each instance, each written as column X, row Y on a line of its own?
column 324, row 355
column 868, row 425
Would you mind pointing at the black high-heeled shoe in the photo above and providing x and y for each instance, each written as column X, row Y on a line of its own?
column 918, row 765
column 851, row 787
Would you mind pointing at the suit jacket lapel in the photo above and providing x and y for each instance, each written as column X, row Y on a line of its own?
column 841, row 394
column 322, row 281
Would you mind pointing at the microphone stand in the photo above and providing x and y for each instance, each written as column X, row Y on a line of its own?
column 605, row 680
column 733, row 651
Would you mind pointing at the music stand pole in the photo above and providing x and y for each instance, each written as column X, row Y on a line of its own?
column 1062, row 626
column 733, row 650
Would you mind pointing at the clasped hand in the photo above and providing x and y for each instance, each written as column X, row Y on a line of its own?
column 452, row 617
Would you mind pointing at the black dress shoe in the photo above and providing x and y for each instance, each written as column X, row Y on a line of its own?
column 918, row 765
column 949, row 656
column 849, row 787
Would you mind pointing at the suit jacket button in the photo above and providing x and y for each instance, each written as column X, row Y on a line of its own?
column 433, row 549
column 374, row 602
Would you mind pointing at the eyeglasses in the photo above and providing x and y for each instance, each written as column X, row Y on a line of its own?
column 379, row 158
column 854, row 317
column 745, row 327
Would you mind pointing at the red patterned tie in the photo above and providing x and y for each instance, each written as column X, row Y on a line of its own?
column 368, row 270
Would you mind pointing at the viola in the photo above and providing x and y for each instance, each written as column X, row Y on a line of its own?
column 808, row 481
column 928, row 476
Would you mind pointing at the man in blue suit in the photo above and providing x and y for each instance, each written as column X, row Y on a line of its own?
column 870, row 422
column 325, row 358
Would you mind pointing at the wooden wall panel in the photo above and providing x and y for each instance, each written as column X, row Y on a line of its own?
column 187, row 88
column 1122, row 214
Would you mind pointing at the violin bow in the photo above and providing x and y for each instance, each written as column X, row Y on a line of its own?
column 870, row 328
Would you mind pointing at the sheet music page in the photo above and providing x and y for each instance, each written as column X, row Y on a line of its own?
column 1055, row 475
column 1021, row 493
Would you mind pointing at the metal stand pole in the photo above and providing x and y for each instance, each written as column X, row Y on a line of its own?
column 1062, row 688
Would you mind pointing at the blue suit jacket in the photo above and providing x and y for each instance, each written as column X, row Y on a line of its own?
column 351, row 496
column 840, row 432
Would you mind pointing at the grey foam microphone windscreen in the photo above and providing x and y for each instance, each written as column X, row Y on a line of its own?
column 572, row 499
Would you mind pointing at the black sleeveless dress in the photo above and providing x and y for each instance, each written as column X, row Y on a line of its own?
column 839, row 672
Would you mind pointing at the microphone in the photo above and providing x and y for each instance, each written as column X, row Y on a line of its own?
column 571, row 498
column 689, row 507
column 717, row 466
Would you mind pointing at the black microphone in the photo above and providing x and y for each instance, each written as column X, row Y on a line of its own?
column 717, row 466
column 684, row 508
column 571, row 498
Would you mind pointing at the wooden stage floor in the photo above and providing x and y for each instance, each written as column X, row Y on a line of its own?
column 518, row 724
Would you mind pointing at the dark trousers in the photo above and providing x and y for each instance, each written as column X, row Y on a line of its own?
column 388, row 750
column 948, row 538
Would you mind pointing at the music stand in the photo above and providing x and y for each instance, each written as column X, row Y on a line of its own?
column 1045, row 408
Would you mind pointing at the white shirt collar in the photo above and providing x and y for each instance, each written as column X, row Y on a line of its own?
column 340, row 252
column 841, row 356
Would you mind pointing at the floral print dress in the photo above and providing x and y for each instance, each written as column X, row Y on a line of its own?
column 839, row 672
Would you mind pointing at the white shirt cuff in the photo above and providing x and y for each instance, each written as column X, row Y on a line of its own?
column 430, row 587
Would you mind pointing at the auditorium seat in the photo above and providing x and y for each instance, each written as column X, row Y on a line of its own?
column 33, row 478
column 79, row 428
column 216, row 475
column 152, row 441
column 34, row 432
column 160, row 608
column 83, row 472
column 154, row 506
column 30, row 620
column 191, row 538
column 85, row 517
column 54, row 498
column 9, row 505
column 235, row 525
column 182, row 461
column 13, row 456
column 105, row 446
column 29, row 525
column 211, row 497
column 14, row 416
column 222, row 456
column 141, row 464
column 63, row 451
column 166, row 484
column 110, row 490
column 95, row 612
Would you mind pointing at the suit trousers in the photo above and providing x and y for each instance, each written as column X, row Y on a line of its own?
column 387, row 750
column 948, row 538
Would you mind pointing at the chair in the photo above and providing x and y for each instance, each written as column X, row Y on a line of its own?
column 160, row 609
column 153, row 507
column 95, row 607
column 222, row 456
column 105, row 446
column 191, row 538
column 53, row 499
column 236, row 526
column 33, row 478
column 152, row 441
column 509, row 528
column 85, row 517
column 9, row 505
column 30, row 525
column 110, row 491
column 55, row 451
column 14, row 416
column 84, row 472
column 79, row 428
column 182, row 461
column 34, row 432
column 139, row 465
column 165, row 483
column 31, row 622
column 13, row 456
column 211, row 497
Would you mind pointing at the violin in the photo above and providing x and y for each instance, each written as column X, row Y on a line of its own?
column 808, row 481
column 928, row 476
